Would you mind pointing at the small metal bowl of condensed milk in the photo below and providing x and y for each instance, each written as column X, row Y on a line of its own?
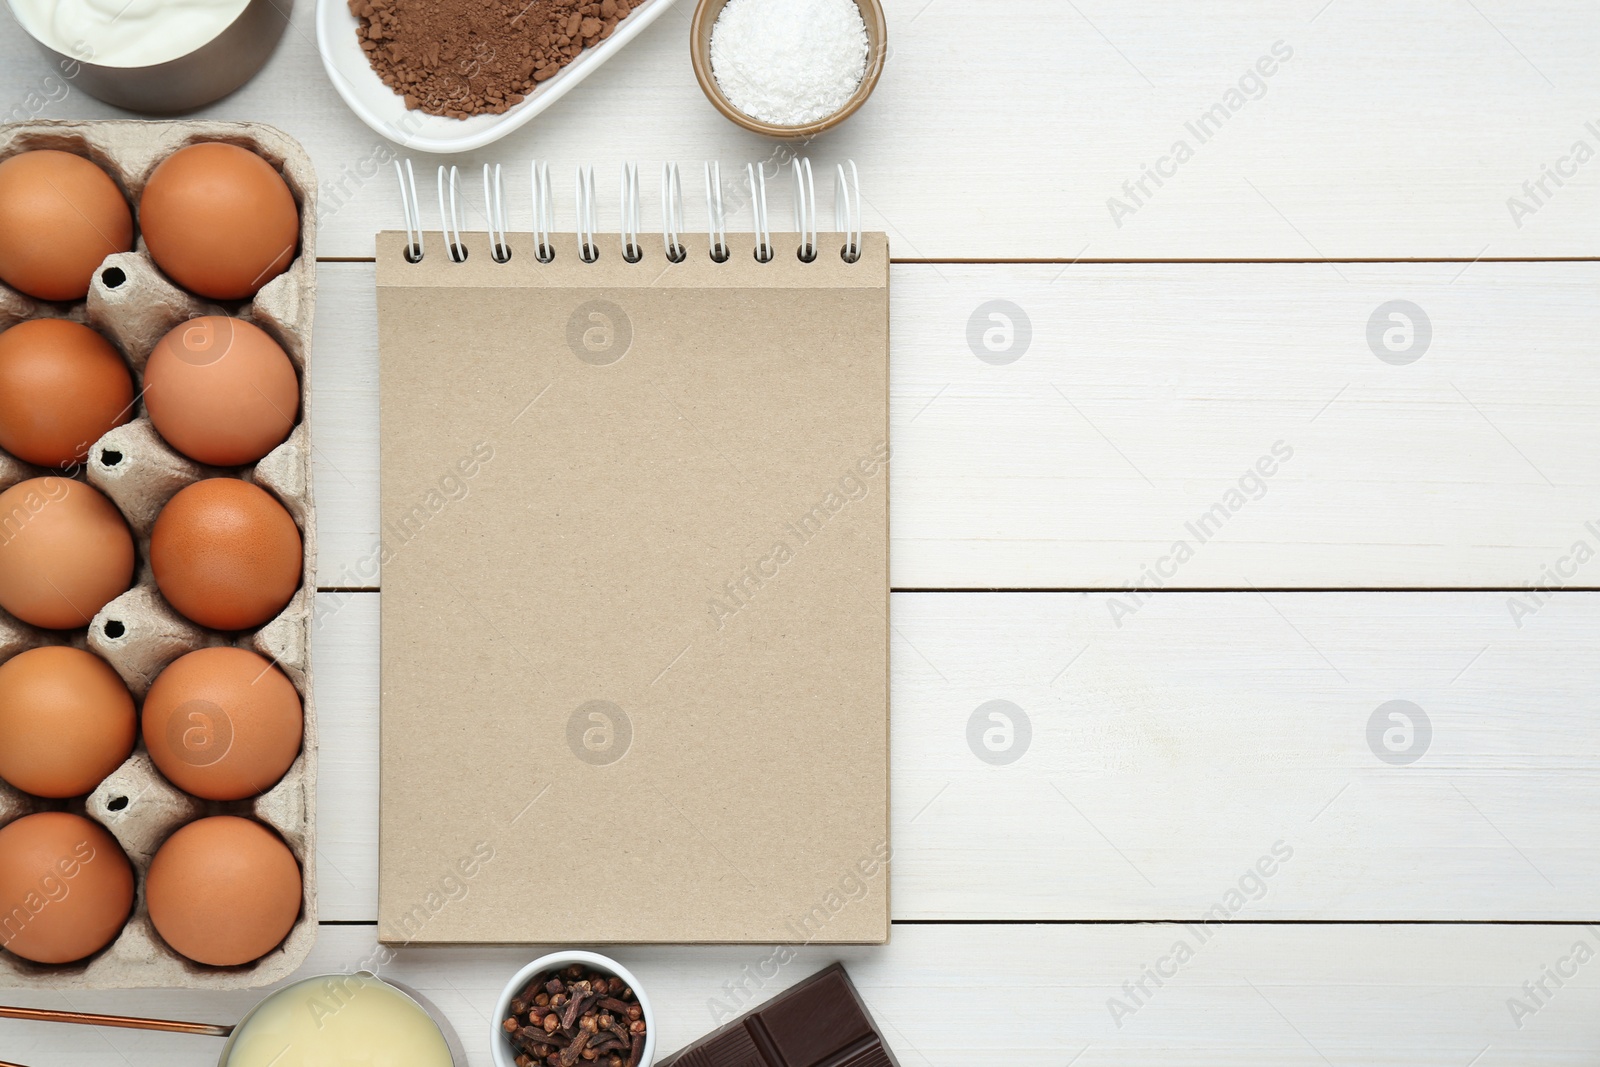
column 343, row 1019
column 155, row 56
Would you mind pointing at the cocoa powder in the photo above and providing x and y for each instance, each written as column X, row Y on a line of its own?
column 460, row 58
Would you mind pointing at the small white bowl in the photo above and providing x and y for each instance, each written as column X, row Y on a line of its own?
column 385, row 111
column 505, row 1056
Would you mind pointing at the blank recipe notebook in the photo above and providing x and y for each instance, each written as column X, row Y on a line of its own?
column 635, row 593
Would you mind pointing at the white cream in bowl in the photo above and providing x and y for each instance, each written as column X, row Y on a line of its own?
column 126, row 33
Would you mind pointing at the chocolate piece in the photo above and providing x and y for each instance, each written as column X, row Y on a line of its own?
column 821, row 1022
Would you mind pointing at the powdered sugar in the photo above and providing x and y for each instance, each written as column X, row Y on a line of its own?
column 789, row 62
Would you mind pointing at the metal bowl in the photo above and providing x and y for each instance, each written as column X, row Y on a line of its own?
column 452, row 1041
column 209, row 73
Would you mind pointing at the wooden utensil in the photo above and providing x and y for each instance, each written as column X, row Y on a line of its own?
column 458, row 1054
column 125, row 1022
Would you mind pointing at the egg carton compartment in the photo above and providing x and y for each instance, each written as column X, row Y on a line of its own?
column 133, row 305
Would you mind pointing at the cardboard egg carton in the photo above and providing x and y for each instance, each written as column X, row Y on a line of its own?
column 133, row 305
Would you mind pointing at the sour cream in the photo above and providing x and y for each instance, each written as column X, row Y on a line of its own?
column 126, row 33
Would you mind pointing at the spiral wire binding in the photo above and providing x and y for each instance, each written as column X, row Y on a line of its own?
column 847, row 213
column 632, row 251
column 410, row 209
column 544, row 212
column 672, row 213
column 588, row 222
column 494, row 208
column 716, row 224
column 451, row 223
column 758, row 209
column 805, row 210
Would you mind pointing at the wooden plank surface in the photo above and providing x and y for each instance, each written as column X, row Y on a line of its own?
column 1035, row 996
column 1393, row 130
column 1142, row 772
column 1168, row 756
column 1142, row 410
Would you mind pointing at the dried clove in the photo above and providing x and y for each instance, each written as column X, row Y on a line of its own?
column 572, row 1052
column 536, row 1043
column 570, row 1012
column 576, row 1016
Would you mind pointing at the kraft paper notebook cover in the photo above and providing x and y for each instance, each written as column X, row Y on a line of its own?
column 634, row 594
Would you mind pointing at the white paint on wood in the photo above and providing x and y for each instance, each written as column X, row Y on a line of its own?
column 1037, row 996
column 1393, row 131
column 1144, row 397
column 1168, row 756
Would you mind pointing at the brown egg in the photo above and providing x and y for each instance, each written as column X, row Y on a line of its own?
column 61, row 386
column 64, row 552
column 221, row 391
column 66, row 889
column 66, row 721
column 226, row 554
column 219, row 220
column 222, row 723
column 60, row 215
column 223, row 891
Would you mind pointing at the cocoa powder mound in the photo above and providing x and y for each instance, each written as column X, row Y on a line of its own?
column 460, row 58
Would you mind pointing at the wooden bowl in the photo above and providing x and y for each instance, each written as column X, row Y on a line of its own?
column 705, row 17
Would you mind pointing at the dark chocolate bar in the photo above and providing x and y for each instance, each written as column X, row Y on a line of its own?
column 821, row 1022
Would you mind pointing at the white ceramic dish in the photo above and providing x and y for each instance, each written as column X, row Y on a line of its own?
column 382, row 109
column 503, row 1054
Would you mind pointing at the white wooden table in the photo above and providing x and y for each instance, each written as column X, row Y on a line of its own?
column 1175, row 737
